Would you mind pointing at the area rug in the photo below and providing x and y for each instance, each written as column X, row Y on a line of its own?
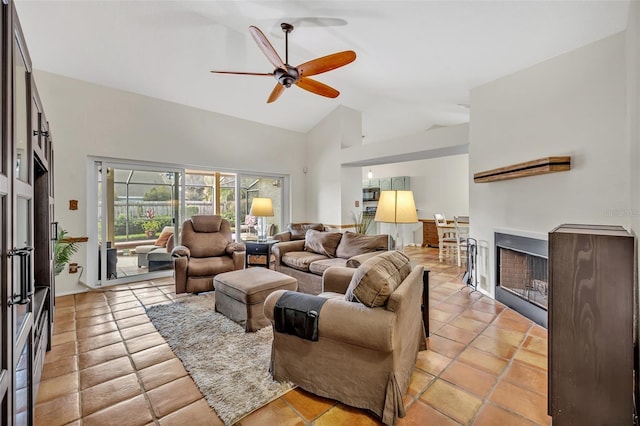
column 229, row 366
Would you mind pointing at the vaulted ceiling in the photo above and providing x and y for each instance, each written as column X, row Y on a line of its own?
column 416, row 60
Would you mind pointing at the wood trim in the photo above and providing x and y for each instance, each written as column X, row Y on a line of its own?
column 530, row 168
column 74, row 240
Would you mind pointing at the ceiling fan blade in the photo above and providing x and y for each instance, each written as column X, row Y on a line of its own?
column 316, row 87
column 326, row 63
column 270, row 74
column 266, row 47
column 275, row 93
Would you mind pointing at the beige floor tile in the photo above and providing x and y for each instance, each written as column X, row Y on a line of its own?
column 105, row 371
column 61, row 351
column 444, row 346
column 419, row 381
column 483, row 361
column 57, row 387
column 420, row 414
column 109, row 393
column 471, row 379
column 96, row 330
column 95, row 320
column 105, row 353
column 432, row 362
column 151, row 356
column 141, row 343
column 491, row 415
column 458, row 334
column 59, row 411
column 532, row 358
column 526, row 403
column 132, row 412
column 452, row 401
column 197, row 414
column 137, row 330
column 66, row 337
column 527, row 377
column 132, row 321
column 99, row 341
column 60, row 367
column 494, row 346
column 160, row 374
column 344, row 415
column 173, row 396
column 308, row 405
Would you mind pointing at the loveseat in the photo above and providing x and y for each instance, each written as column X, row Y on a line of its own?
column 306, row 259
column 161, row 248
column 369, row 332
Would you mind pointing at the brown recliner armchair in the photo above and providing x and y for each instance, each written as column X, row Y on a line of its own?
column 206, row 250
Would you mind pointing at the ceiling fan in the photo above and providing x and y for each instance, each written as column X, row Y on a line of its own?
column 286, row 75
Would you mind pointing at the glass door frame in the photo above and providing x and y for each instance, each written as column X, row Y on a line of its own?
column 100, row 166
column 284, row 197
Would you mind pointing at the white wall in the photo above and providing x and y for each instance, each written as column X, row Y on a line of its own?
column 574, row 105
column 91, row 120
column 439, row 185
column 332, row 188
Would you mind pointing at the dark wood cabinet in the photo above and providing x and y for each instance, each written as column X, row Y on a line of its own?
column 26, row 214
column 429, row 233
column 591, row 325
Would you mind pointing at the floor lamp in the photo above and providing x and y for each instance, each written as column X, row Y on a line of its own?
column 396, row 207
column 261, row 208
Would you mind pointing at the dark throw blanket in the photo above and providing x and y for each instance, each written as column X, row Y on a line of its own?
column 298, row 314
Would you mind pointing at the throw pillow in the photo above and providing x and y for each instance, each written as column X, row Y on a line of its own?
column 353, row 244
column 375, row 280
column 164, row 237
column 299, row 230
column 324, row 243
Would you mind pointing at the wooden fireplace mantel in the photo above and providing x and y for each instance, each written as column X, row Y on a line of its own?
column 540, row 166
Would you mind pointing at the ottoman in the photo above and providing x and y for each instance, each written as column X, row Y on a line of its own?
column 240, row 294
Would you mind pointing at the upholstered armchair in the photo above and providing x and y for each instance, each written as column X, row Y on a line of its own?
column 206, row 250
column 368, row 333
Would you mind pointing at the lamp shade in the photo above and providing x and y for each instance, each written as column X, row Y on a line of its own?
column 396, row 207
column 261, row 207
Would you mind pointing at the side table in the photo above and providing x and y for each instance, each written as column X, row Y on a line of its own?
column 254, row 248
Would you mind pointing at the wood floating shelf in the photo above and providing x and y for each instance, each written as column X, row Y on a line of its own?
column 74, row 240
column 540, row 166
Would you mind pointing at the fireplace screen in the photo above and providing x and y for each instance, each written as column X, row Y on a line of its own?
column 525, row 275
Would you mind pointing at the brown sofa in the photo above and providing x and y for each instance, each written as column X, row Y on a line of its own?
column 365, row 352
column 307, row 259
column 206, row 250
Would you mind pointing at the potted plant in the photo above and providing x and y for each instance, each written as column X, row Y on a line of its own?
column 62, row 251
column 362, row 222
column 151, row 227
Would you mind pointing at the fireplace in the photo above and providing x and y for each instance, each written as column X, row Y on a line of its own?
column 522, row 276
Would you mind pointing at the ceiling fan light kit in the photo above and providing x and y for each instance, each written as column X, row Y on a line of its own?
column 286, row 75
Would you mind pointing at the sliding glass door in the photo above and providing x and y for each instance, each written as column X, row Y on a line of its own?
column 138, row 207
column 138, row 204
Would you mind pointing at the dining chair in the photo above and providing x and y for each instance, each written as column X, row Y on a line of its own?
column 447, row 242
column 462, row 234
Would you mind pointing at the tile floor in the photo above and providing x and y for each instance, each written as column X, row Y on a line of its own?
column 486, row 365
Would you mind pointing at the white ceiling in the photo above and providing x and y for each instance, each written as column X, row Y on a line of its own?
column 416, row 60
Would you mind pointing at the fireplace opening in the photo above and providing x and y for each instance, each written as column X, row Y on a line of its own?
column 522, row 275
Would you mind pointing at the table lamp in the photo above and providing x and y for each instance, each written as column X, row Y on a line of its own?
column 396, row 207
column 261, row 208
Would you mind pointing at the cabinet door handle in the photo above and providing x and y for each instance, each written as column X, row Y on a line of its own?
column 26, row 286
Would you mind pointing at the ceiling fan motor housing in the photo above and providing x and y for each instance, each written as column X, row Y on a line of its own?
column 287, row 77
